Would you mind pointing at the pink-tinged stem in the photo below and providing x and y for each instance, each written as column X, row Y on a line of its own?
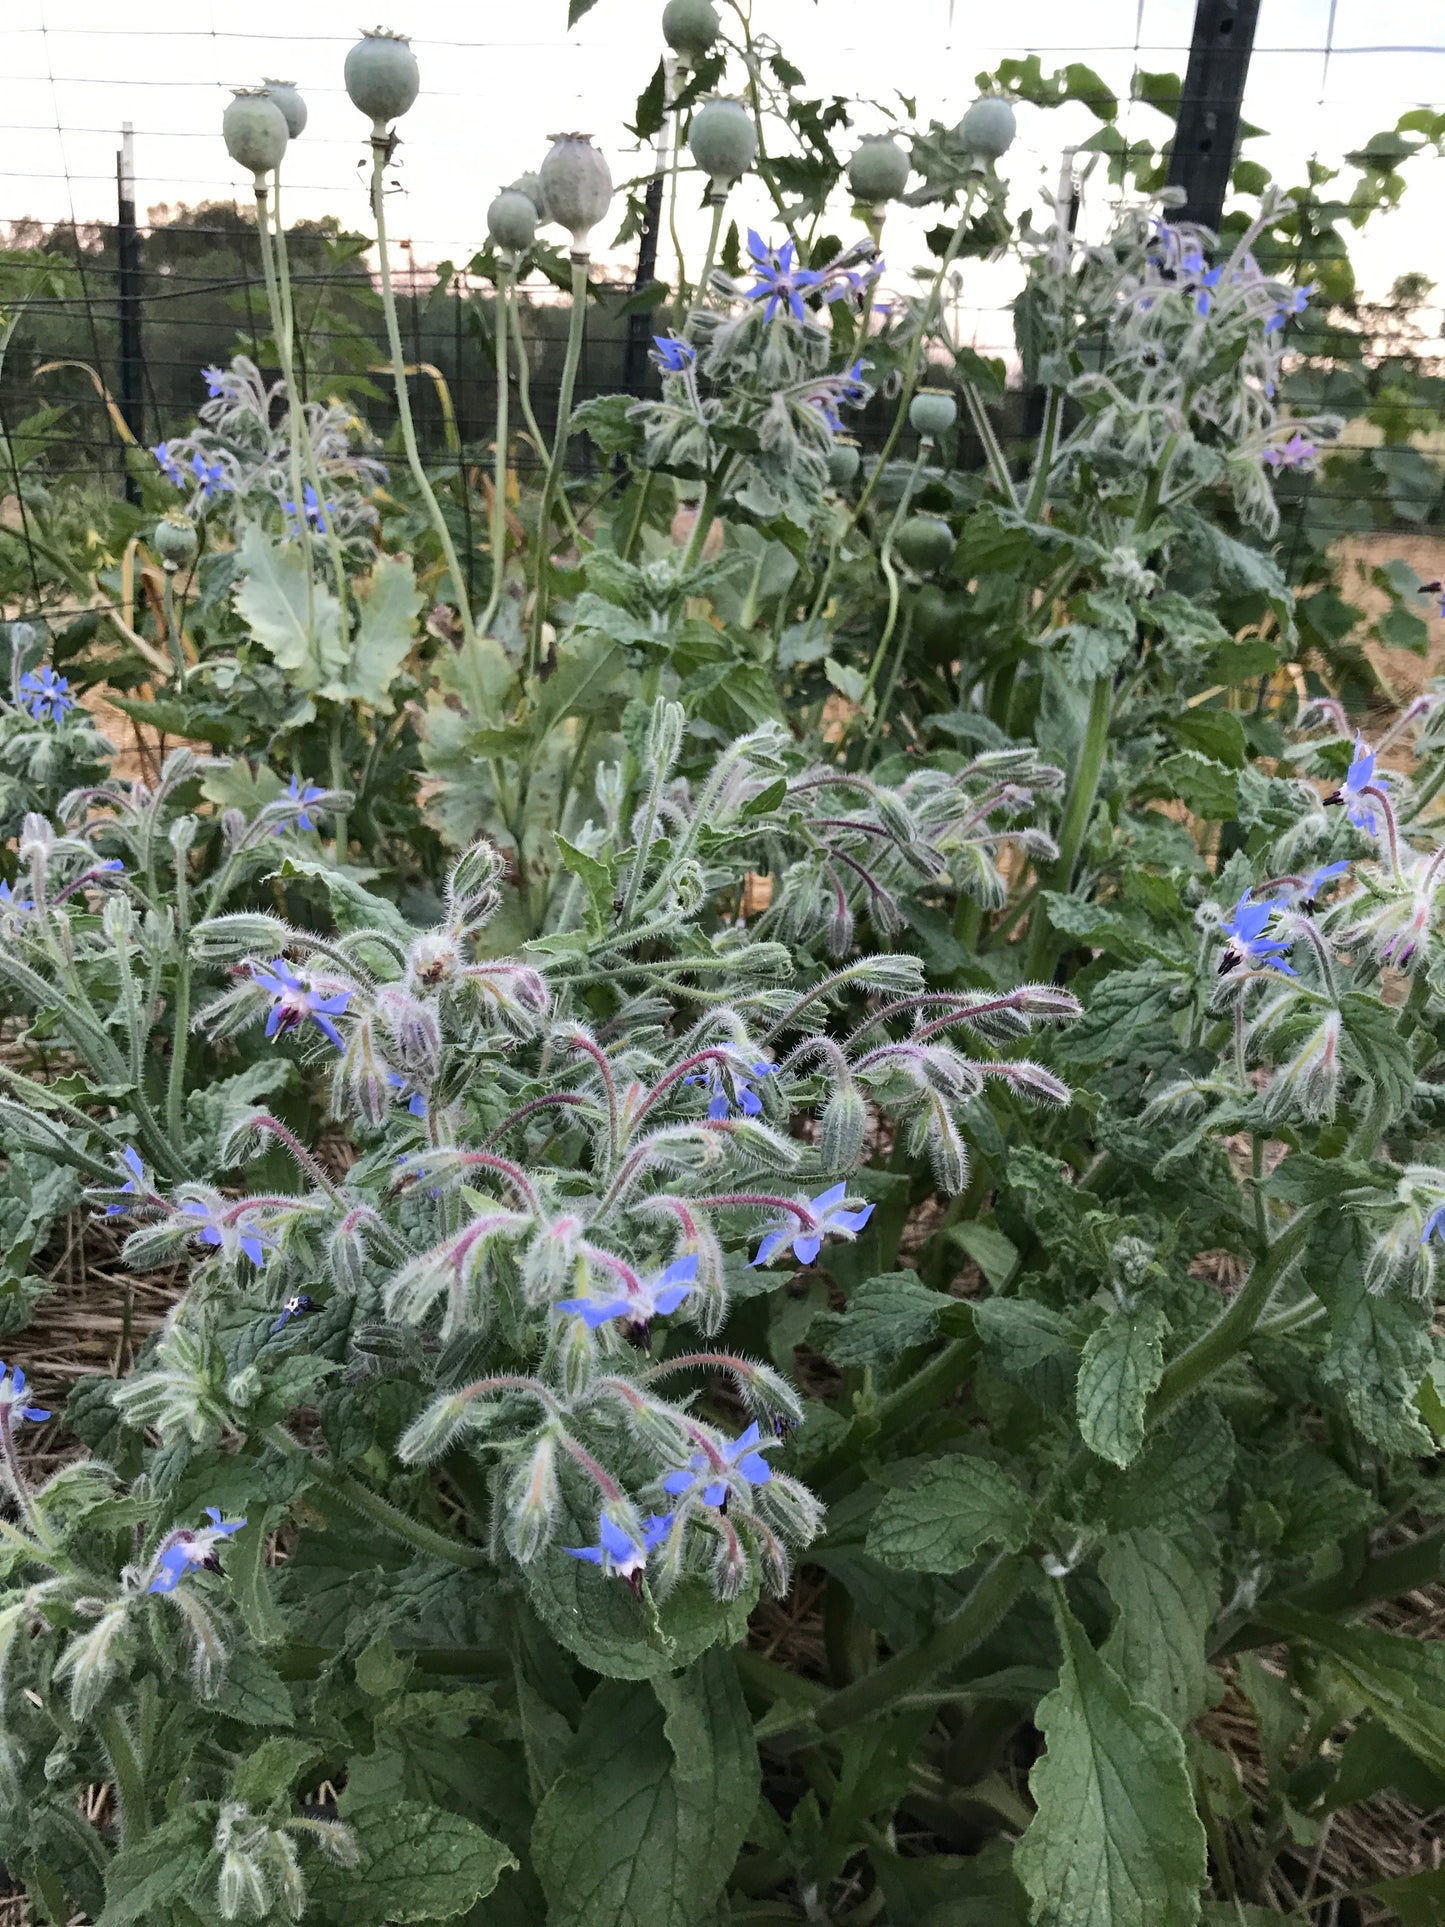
column 263, row 1121
column 680, row 1211
column 611, row 1262
column 525, row 1110
column 1373, row 789
column 533, row 1387
column 923, row 1000
column 599, row 1058
column 605, row 1483
column 765, row 1201
column 504, row 1167
column 280, row 1202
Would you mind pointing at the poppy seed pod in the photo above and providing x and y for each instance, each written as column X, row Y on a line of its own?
column 723, row 141
column 512, row 221
column 878, row 172
column 988, row 128
column 174, row 540
column 577, row 186
column 925, row 543
column 254, row 130
column 690, row 28
column 382, row 76
column 932, row 412
column 288, row 99
column 844, row 458
column 531, row 186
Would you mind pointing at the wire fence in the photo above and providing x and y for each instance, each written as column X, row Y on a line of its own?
column 1328, row 72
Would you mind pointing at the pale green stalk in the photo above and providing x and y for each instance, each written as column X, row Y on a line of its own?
column 577, row 321
column 500, row 334
column 381, row 149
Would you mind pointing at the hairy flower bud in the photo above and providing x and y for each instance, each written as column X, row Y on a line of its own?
column 843, row 1129
column 664, row 734
column 532, row 1501
column 1308, row 1085
column 434, row 1430
column 241, row 933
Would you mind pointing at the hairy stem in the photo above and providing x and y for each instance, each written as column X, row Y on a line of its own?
column 577, row 322
column 501, row 334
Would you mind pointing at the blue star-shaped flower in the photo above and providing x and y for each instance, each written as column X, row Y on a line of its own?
column 9, row 900
column 827, row 1215
column 304, row 798
column 656, row 1298
column 416, row 1103
column 778, row 279
column 254, row 1244
column 46, row 695
column 1247, row 942
column 1358, row 778
column 215, row 381
column 294, row 1307
column 210, row 475
column 313, row 508
column 672, row 354
column 130, row 1158
column 294, row 1001
column 1314, row 885
column 193, row 1549
column 170, row 468
column 741, row 1458
column 617, row 1551
column 13, row 1395
column 719, row 1078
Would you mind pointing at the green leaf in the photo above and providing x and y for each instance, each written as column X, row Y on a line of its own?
column 588, row 669
column 354, row 907
column 884, row 1317
column 1399, row 1677
column 645, row 1823
column 576, row 9
column 948, row 1511
column 1116, row 1841
column 596, row 878
column 254, row 1692
column 417, row 1863
column 1177, row 1477
column 389, row 602
column 1167, row 1593
column 993, row 1253
column 1201, row 784
column 1379, row 1347
column 1381, row 1054
column 848, row 682
column 1018, row 1334
column 1122, row 1363
column 1416, row 1899
column 1214, row 733
column 273, row 1769
column 162, row 1866
column 272, row 602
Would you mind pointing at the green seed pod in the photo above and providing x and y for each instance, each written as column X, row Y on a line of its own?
column 723, row 141
column 254, row 130
column 843, row 460
column 512, row 221
column 531, row 186
column 382, row 76
column 988, row 128
column 288, row 99
column 577, row 186
column 932, row 412
column 690, row 28
column 174, row 540
column 925, row 543
column 878, row 172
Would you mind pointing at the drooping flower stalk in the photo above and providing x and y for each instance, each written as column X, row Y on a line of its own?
column 381, row 149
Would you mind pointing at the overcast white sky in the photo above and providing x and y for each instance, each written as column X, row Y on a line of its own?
column 498, row 79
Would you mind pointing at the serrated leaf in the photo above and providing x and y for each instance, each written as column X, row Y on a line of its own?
column 389, row 602
column 1122, row 1363
column 644, row 1825
column 1201, row 784
column 273, row 1769
column 253, row 1692
column 947, row 1513
column 1116, row 1841
column 1019, row 1333
column 596, row 879
column 1166, row 1591
column 1379, row 1345
column 303, row 638
column 1177, row 1477
column 161, row 1866
column 354, row 907
column 417, row 1863
column 1381, row 1053
column 884, row 1317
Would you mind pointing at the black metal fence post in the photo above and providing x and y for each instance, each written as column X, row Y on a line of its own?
column 1208, row 129
column 128, row 300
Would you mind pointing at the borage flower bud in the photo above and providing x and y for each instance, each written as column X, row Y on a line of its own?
column 435, row 1430
column 239, row 934
column 843, row 1129
column 1308, row 1085
column 532, row 1502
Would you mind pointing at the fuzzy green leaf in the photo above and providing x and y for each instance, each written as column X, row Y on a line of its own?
column 389, row 602
column 939, row 1521
column 303, row 639
column 645, row 1823
column 884, row 1317
column 417, row 1863
column 158, row 1868
column 1167, row 1593
column 1122, row 1363
column 596, row 879
column 1116, row 1841
column 1401, row 1679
